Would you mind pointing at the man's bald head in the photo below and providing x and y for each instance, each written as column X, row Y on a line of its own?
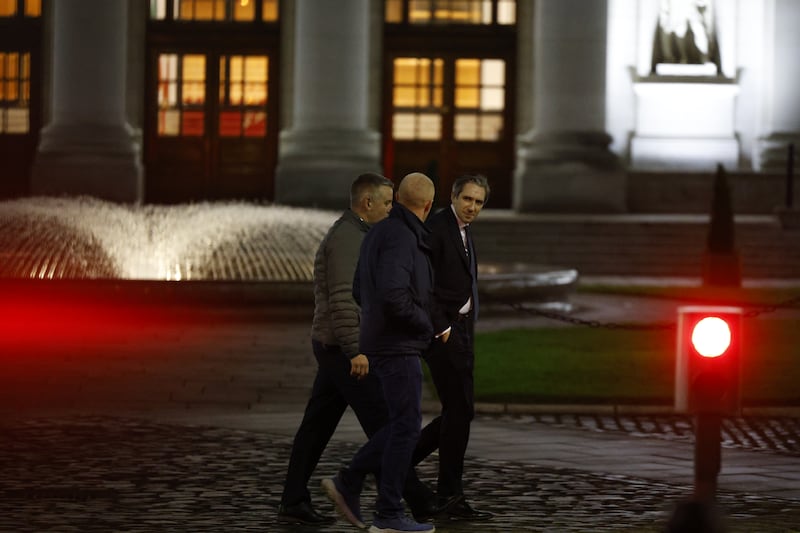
column 416, row 191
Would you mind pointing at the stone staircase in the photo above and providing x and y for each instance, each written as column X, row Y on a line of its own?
column 633, row 244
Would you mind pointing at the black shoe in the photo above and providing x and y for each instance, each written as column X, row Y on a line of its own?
column 302, row 513
column 459, row 509
column 424, row 511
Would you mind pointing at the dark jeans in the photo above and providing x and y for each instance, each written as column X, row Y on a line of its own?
column 451, row 366
column 334, row 389
column 390, row 449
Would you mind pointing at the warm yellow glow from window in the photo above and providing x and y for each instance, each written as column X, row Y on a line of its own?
column 255, row 75
column 33, row 8
column 15, row 89
column 419, row 10
column 507, row 12
column 415, row 85
column 452, row 11
column 269, row 10
column 468, row 71
column 8, row 8
column 244, row 10
column 194, row 78
column 217, row 10
column 393, row 11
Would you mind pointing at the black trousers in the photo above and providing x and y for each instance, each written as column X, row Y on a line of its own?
column 334, row 389
column 452, row 367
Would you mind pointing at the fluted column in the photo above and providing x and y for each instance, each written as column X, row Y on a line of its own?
column 330, row 141
column 564, row 163
column 88, row 148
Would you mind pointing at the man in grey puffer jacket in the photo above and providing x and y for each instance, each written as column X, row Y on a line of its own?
column 343, row 373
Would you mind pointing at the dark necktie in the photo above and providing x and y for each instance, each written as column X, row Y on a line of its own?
column 473, row 270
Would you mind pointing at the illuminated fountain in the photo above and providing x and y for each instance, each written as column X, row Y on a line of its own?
column 53, row 238
column 86, row 238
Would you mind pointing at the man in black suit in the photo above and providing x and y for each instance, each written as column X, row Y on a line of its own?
column 451, row 358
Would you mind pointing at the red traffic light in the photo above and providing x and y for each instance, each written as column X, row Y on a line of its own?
column 708, row 360
column 711, row 336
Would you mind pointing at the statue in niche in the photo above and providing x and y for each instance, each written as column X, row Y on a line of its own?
column 686, row 34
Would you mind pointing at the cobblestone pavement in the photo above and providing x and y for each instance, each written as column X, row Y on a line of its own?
column 776, row 434
column 105, row 473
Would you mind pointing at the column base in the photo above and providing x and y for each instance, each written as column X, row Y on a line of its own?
column 316, row 168
column 103, row 162
column 569, row 173
column 772, row 151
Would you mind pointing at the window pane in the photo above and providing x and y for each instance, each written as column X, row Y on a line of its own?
column 8, row 8
column 255, row 124
column 405, row 71
column 493, row 72
column 486, row 12
column 466, row 127
column 194, row 75
column 192, row 124
column 158, row 9
column 204, row 9
column 244, row 10
column 506, row 12
column 33, row 8
column 237, row 69
column 492, row 99
column 403, row 126
column 468, row 71
column 467, row 97
column 430, row 126
column 230, row 124
column 491, row 127
column 18, row 120
column 419, row 10
column 255, row 68
column 169, row 122
column 393, row 11
column 183, row 9
column 269, row 10
column 404, row 97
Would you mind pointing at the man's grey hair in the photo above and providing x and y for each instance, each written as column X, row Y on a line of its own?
column 367, row 183
column 478, row 179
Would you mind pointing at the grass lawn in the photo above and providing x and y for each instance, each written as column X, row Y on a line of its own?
column 595, row 365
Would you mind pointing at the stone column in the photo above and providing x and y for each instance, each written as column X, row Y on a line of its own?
column 88, row 147
column 780, row 105
column 564, row 163
column 330, row 141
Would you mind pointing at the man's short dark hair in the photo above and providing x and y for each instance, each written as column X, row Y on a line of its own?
column 367, row 183
column 478, row 179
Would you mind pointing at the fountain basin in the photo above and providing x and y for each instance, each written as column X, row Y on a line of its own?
column 524, row 283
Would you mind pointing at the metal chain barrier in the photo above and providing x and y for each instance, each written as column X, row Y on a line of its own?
column 756, row 310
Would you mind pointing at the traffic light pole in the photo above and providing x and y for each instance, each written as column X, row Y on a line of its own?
column 707, row 455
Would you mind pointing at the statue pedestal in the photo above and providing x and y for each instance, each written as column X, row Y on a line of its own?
column 684, row 122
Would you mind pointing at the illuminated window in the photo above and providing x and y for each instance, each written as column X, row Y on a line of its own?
column 213, row 10
column 243, row 96
column 181, row 95
column 479, row 12
column 479, row 99
column 417, row 98
column 15, row 92
column 30, row 8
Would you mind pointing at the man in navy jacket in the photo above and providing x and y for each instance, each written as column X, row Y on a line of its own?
column 393, row 284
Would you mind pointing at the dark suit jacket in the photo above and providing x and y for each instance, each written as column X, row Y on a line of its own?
column 393, row 283
column 452, row 270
